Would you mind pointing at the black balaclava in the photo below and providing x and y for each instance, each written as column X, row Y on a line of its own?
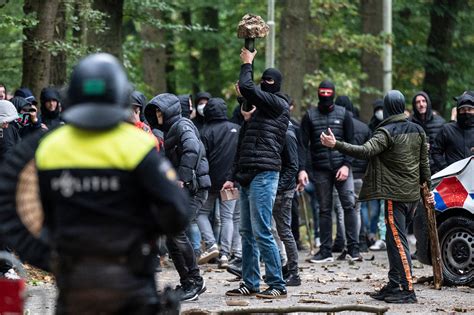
column 275, row 75
column 393, row 104
column 465, row 120
column 326, row 103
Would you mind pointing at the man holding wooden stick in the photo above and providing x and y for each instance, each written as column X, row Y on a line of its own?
column 398, row 165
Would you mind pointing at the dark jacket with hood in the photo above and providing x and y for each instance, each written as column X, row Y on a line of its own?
column 261, row 138
column 184, row 101
column 431, row 124
column 51, row 119
column 361, row 135
column 138, row 99
column 289, row 161
column 182, row 143
column 455, row 140
column 397, row 154
column 220, row 137
column 199, row 120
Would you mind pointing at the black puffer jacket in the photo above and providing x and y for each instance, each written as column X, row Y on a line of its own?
column 182, row 143
column 51, row 119
column 452, row 144
column 314, row 123
column 431, row 124
column 220, row 138
column 289, row 161
column 361, row 135
column 262, row 137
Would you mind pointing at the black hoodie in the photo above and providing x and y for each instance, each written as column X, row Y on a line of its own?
column 182, row 143
column 199, row 120
column 220, row 138
column 184, row 101
column 51, row 119
column 374, row 121
column 138, row 99
column 431, row 124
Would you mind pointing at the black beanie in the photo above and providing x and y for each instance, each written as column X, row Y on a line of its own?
column 275, row 75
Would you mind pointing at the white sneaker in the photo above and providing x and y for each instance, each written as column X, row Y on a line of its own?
column 223, row 262
column 317, row 242
column 11, row 274
column 411, row 239
column 211, row 253
column 379, row 245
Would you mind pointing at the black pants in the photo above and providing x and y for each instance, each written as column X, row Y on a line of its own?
column 324, row 183
column 295, row 217
column 398, row 216
column 104, row 288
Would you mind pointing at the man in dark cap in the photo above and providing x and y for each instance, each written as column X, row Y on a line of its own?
column 256, row 167
column 331, row 169
column 27, row 95
column 455, row 140
column 398, row 164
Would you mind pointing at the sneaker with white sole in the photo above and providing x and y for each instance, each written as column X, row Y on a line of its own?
column 378, row 246
column 242, row 290
column 272, row 293
column 211, row 253
column 223, row 262
column 321, row 258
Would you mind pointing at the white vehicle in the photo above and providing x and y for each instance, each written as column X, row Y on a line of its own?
column 454, row 196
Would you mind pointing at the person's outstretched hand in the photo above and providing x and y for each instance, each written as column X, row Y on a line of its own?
column 328, row 140
column 246, row 56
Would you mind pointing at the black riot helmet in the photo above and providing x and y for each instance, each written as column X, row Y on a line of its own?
column 98, row 94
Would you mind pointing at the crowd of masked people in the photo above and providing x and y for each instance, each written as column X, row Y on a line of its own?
column 273, row 159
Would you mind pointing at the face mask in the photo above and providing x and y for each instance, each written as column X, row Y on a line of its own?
column 466, row 120
column 200, row 109
column 379, row 114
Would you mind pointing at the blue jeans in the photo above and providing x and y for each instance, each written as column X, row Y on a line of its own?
column 256, row 203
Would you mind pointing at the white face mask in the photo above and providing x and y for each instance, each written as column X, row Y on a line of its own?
column 200, row 109
column 379, row 114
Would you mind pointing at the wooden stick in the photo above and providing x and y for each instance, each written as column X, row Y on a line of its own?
column 306, row 219
column 433, row 235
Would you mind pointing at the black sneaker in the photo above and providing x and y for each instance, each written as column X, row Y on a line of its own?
column 191, row 290
column 293, row 280
column 354, row 255
column 321, row 258
column 243, row 290
column 386, row 289
column 271, row 293
column 401, row 297
column 235, row 269
column 342, row 256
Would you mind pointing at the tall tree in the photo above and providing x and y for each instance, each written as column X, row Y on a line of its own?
column 36, row 57
column 292, row 63
column 371, row 12
column 193, row 59
column 109, row 39
column 210, row 58
column 154, row 57
column 59, row 59
column 439, row 50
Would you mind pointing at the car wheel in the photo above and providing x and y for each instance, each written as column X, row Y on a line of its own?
column 457, row 250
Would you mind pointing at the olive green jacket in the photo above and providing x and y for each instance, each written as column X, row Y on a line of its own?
column 398, row 160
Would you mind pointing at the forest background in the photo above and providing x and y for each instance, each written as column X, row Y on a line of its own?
column 183, row 47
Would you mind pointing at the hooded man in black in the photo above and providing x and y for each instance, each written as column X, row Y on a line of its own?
column 185, row 151
column 201, row 100
column 256, row 167
column 50, row 108
column 455, row 140
column 331, row 169
column 29, row 120
column 220, row 138
column 186, row 102
column 378, row 114
column 423, row 116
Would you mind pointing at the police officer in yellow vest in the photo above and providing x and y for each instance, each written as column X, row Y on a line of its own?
column 107, row 194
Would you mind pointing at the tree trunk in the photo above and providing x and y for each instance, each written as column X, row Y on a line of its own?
column 292, row 62
column 210, row 58
column 80, row 34
column 36, row 57
column 154, row 58
column 58, row 75
column 193, row 60
column 443, row 23
column 110, row 40
column 372, row 23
